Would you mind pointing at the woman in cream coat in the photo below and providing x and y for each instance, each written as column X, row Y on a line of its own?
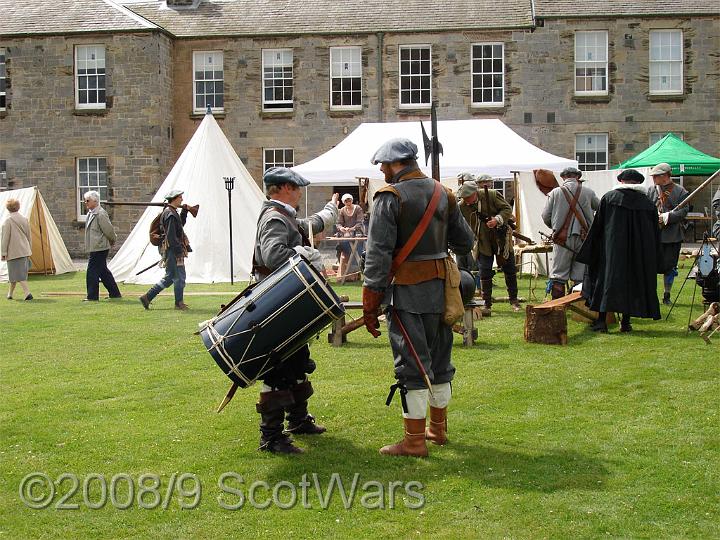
column 16, row 249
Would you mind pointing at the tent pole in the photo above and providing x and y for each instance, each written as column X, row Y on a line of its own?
column 42, row 236
column 516, row 197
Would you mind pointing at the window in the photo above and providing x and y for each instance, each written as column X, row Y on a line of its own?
column 656, row 136
column 277, row 78
column 591, row 67
column 346, row 78
column 90, row 77
column 415, row 73
column 3, row 175
column 278, row 157
column 91, row 175
column 3, row 81
column 208, row 81
column 488, row 74
column 666, row 64
column 591, row 150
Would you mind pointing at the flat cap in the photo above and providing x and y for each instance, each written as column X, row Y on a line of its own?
column 571, row 171
column 660, row 168
column 395, row 150
column 483, row 178
column 170, row 195
column 467, row 189
column 631, row 176
column 282, row 175
column 466, row 177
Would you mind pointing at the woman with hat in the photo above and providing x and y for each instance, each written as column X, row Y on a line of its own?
column 16, row 248
column 350, row 223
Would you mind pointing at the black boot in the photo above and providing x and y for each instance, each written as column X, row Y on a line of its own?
column 512, row 289
column 272, row 412
column 600, row 324
column 486, row 285
column 299, row 420
column 625, row 325
column 666, row 299
column 558, row 289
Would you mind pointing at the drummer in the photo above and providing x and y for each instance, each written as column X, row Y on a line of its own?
column 280, row 235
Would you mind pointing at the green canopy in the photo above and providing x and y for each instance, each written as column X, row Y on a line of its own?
column 683, row 158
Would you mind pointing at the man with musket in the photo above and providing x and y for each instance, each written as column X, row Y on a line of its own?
column 281, row 235
column 413, row 290
column 666, row 195
column 569, row 213
column 488, row 215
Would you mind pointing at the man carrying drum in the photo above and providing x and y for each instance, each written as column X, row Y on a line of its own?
column 420, row 340
column 281, row 235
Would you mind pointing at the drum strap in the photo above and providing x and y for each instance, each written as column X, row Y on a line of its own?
column 403, row 393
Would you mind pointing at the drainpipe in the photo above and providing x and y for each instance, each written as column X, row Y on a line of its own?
column 381, row 111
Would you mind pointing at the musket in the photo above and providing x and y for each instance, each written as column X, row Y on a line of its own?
column 432, row 145
column 695, row 192
column 192, row 209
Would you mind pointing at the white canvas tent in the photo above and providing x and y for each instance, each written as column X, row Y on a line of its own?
column 532, row 201
column 199, row 172
column 477, row 146
column 49, row 254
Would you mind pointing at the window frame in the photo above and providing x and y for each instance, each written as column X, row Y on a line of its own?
column 483, row 104
column 3, row 175
column 203, row 109
column 359, row 106
column 81, row 190
column 278, row 163
column 421, row 105
column 289, row 105
column 584, row 63
column 607, row 155
column 95, row 105
column 3, row 77
column 681, row 61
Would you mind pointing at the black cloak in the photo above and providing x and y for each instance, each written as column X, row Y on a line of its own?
column 622, row 251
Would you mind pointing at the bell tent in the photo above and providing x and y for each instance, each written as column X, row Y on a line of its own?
column 49, row 254
column 199, row 173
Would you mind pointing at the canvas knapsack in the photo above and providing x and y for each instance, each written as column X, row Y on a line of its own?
column 157, row 231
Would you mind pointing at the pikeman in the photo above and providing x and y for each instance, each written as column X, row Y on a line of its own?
column 281, row 235
column 488, row 215
column 421, row 342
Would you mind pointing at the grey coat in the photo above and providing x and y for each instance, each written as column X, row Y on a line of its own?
column 99, row 232
column 557, row 207
column 671, row 233
column 716, row 211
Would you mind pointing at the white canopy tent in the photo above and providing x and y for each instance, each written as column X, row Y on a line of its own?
column 476, row 146
column 49, row 254
column 199, row 172
column 532, row 201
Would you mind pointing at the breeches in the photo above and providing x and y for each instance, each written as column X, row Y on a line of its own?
column 564, row 266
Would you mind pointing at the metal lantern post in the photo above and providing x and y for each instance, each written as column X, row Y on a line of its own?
column 229, row 185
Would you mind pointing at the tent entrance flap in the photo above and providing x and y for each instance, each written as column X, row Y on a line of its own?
column 40, row 258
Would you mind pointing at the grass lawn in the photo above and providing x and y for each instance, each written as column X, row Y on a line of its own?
column 612, row 435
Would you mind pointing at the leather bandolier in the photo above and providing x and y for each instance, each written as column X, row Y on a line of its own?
column 426, row 261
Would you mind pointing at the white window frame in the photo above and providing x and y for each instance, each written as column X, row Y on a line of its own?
column 278, row 104
column 342, row 76
column 492, row 73
column 78, row 77
column 657, row 63
column 200, row 57
column 83, row 187
column 3, row 77
column 583, row 165
column 278, row 162
column 422, row 104
column 590, row 62
column 3, row 175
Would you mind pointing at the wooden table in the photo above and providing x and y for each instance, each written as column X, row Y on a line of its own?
column 354, row 242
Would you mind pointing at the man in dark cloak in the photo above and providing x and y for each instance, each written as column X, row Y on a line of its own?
column 622, row 251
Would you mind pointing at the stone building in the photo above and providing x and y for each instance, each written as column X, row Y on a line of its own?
column 102, row 93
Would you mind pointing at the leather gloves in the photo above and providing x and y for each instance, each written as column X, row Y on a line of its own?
column 371, row 309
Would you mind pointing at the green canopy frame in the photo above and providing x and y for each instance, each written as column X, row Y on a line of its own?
column 683, row 158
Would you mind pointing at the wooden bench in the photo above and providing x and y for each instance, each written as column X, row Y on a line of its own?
column 546, row 322
column 336, row 337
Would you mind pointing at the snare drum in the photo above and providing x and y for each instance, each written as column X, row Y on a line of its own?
column 270, row 320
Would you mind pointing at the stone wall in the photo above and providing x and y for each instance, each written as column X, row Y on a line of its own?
column 42, row 134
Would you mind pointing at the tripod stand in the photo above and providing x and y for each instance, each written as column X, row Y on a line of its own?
column 703, row 268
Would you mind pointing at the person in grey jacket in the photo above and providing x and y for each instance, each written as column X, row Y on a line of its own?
column 16, row 248
column 666, row 195
column 564, row 267
column 716, row 211
column 281, row 235
column 99, row 237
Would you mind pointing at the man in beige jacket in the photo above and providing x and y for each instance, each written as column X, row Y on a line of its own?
column 99, row 236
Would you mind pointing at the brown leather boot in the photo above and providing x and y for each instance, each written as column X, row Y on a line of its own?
column 413, row 444
column 182, row 306
column 437, row 430
column 558, row 290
